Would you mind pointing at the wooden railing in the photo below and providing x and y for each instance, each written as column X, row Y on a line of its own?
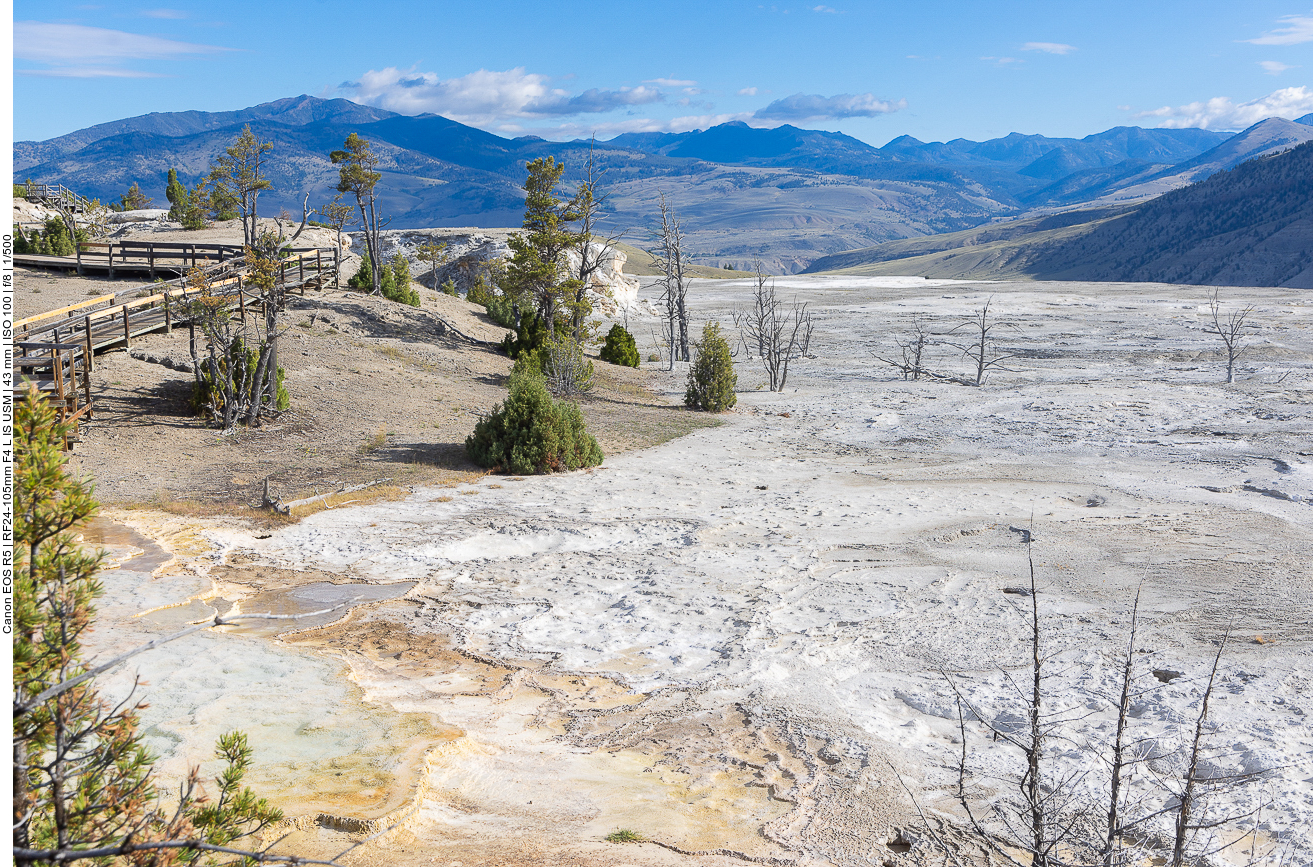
column 153, row 256
column 57, row 348
column 57, row 193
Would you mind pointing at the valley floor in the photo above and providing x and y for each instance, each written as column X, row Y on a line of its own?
column 732, row 643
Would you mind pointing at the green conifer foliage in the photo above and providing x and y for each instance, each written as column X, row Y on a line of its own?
column 179, row 199
column 82, row 775
column 396, row 282
column 529, row 337
column 530, row 432
column 620, row 347
column 711, row 377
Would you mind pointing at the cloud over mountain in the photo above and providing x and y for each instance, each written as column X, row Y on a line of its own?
column 485, row 97
column 803, row 106
column 1221, row 113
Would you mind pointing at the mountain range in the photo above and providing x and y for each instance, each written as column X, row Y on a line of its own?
column 787, row 196
column 1251, row 225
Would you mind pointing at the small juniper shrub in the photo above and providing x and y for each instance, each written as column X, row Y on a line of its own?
column 620, row 347
column 361, row 279
column 449, row 287
column 396, row 282
column 530, row 432
column 711, row 377
column 53, row 240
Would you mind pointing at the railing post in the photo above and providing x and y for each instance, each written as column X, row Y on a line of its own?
column 241, row 298
column 86, row 387
column 111, row 260
column 90, row 346
column 57, row 367
column 168, row 323
column 150, row 256
column 127, row 330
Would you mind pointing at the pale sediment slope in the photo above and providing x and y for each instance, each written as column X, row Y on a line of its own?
column 720, row 642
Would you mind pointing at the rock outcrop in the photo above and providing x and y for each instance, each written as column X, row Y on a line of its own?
column 475, row 253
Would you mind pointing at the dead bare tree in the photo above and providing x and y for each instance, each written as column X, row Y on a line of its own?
column 669, row 256
column 1232, row 328
column 779, row 335
column 1049, row 822
column 982, row 350
column 237, row 380
column 912, row 349
column 338, row 216
column 594, row 249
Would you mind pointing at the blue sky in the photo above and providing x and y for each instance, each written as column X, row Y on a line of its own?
column 934, row 69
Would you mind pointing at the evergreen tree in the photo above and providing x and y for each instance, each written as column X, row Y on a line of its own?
column 620, row 347
column 536, row 273
column 397, row 280
column 358, row 174
column 82, row 776
column 237, row 178
column 179, row 199
column 711, row 377
column 530, row 432
column 134, row 199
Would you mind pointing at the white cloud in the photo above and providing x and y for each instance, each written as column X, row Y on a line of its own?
column 1002, row 61
column 802, row 106
column 748, row 91
column 75, row 51
column 1274, row 67
column 172, row 14
column 825, row 10
column 1049, row 47
column 89, row 72
column 671, row 82
column 1221, row 113
column 1297, row 29
column 487, row 98
column 611, row 129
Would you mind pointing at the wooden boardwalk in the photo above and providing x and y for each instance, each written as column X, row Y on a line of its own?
column 56, row 350
column 155, row 257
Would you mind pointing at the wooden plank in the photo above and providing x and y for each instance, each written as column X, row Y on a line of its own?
column 64, row 310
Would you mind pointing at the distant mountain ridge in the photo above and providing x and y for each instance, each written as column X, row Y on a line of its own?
column 1251, row 225
column 785, row 195
column 293, row 111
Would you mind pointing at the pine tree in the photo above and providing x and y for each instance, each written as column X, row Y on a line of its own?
column 82, row 776
column 179, row 199
column 711, row 378
column 358, row 174
column 536, row 272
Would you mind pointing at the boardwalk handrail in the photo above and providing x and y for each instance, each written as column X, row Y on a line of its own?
column 58, row 347
column 57, row 193
column 298, row 259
